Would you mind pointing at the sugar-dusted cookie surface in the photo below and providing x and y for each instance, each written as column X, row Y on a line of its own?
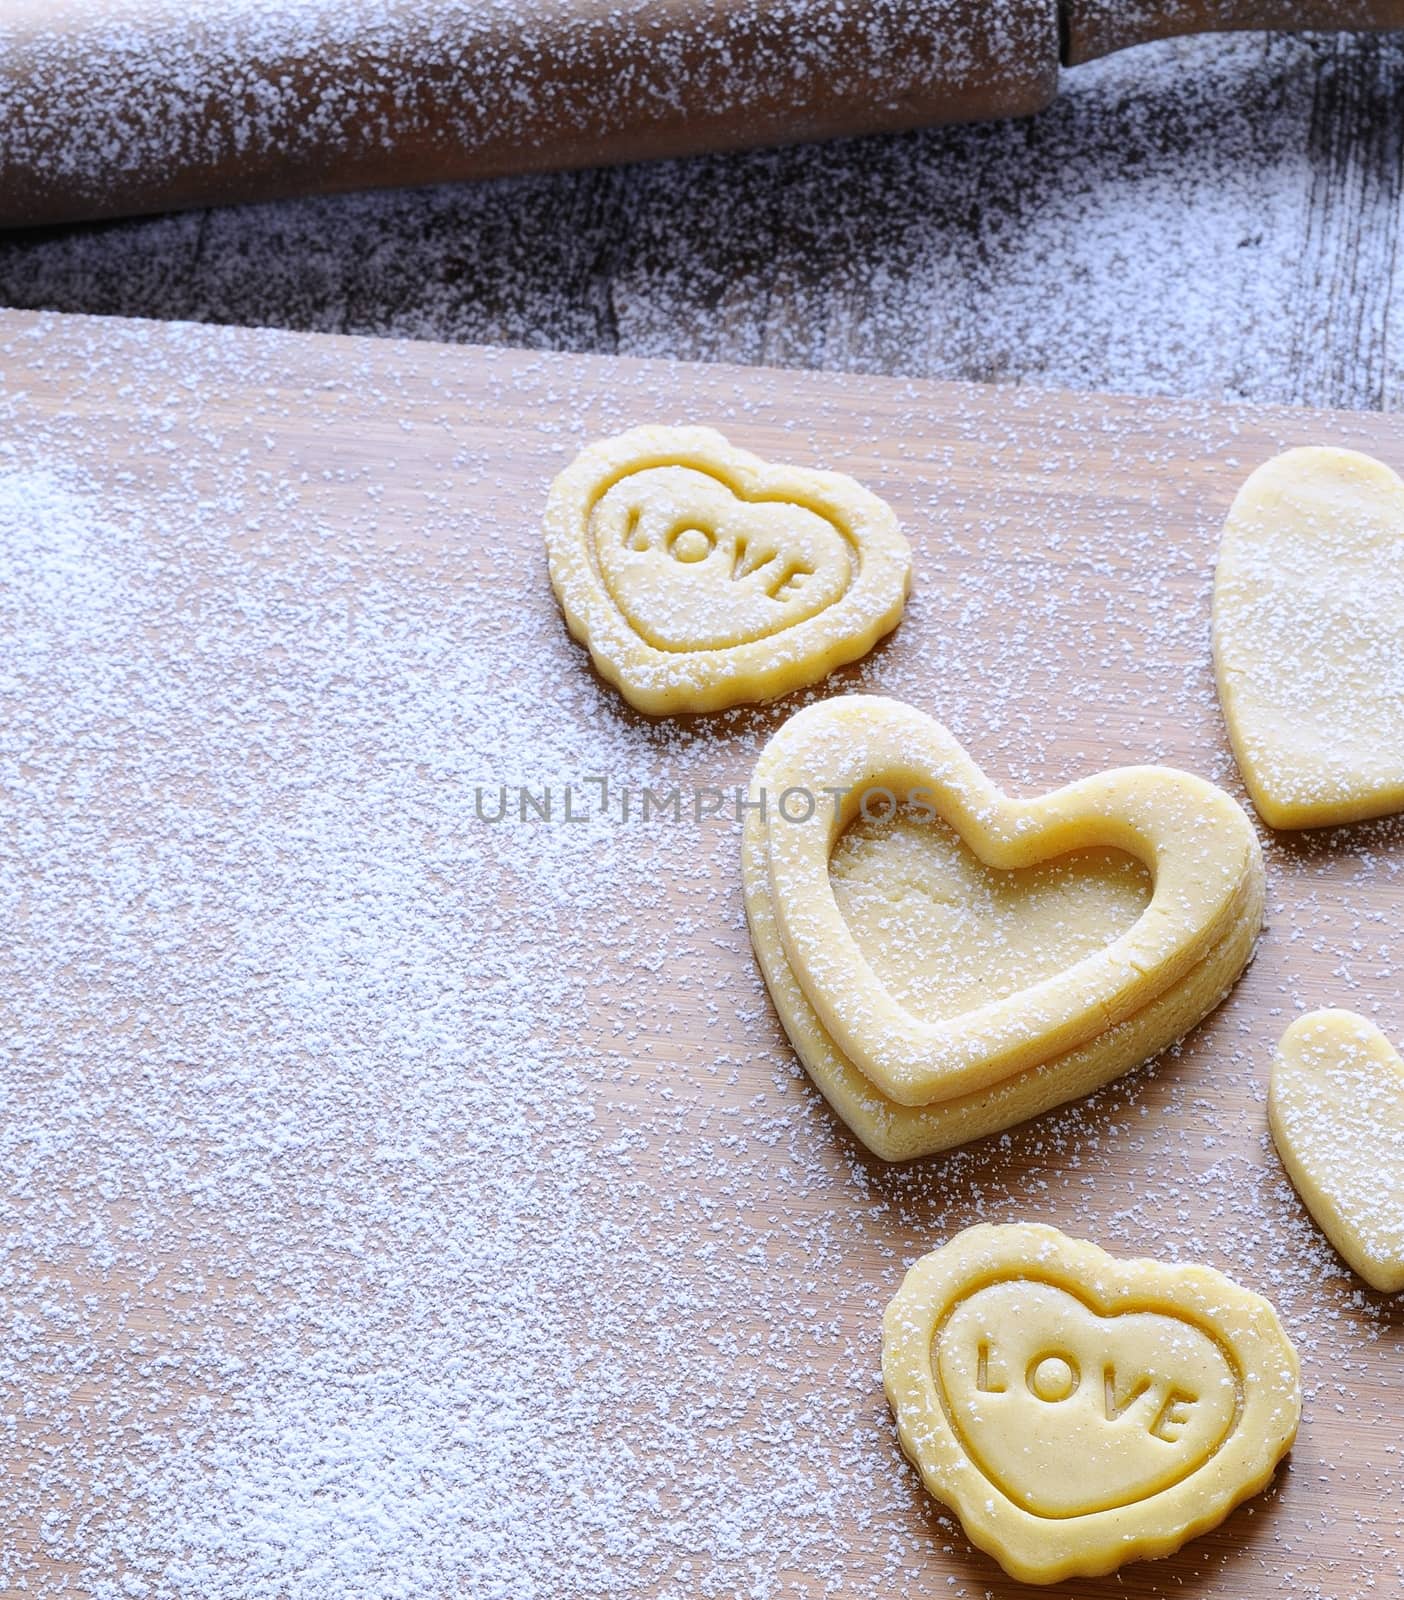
column 700, row 576
column 1309, row 637
column 1336, row 1109
column 1077, row 1411
column 947, row 959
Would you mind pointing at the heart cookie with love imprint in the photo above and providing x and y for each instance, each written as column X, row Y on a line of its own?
column 1336, row 1109
column 700, row 576
column 1076, row 1411
column 947, row 959
column 1309, row 637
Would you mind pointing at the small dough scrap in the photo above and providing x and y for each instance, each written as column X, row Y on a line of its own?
column 944, row 978
column 1336, row 1109
column 700, row 576
column 1077, row 1411
column 1309, row 637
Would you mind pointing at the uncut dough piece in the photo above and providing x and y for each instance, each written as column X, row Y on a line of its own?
column 699, row 576
column 1336, row 1109
column 1077, row 1411
column 975, row 939
column 1309, row 637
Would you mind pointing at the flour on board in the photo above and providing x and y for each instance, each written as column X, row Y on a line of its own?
column 400, row 1204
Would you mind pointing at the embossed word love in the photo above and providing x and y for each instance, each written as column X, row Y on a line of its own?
column 1076, row 1411
column 699, row 576
column 1017, row 1350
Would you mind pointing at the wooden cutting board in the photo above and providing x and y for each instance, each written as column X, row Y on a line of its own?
column 316, row 1083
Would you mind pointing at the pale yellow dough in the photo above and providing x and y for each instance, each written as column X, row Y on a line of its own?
column 945, row 977
column 1309, row 637
column 700, row 576
column 1336, row 1108
column 1077, row 1411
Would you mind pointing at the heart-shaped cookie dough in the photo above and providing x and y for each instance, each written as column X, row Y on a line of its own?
column 1100, row 1010
column 699, row 576
column 1309, row 637
column 1076, row 1411
column 1336, row 1109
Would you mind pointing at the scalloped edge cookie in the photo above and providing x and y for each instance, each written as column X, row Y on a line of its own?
column 662, row 682
column 1045, row 1549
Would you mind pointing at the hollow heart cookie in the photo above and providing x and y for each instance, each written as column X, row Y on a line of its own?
column 1309, row 637
column 989, row 957
column 699, row 576
column 1336, row 1109
column 1078, row 1412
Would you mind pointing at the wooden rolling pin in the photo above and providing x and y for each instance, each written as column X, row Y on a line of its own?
column 110, row 107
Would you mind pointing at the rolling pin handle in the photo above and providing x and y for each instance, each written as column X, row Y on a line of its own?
column 1092, row 28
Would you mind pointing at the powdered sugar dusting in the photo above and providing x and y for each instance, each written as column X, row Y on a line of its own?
column 1206, row 216
column 399, row 1203
column 114, row 106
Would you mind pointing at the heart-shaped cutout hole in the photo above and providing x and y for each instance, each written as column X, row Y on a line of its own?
column 946, row 934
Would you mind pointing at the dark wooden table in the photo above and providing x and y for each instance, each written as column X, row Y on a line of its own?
column 1214, row 216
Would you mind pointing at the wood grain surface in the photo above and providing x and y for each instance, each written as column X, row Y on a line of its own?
column 115, row 108
column 1213, row 216
column 1063, row 551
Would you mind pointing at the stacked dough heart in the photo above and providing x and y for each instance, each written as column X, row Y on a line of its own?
column 942, row 979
